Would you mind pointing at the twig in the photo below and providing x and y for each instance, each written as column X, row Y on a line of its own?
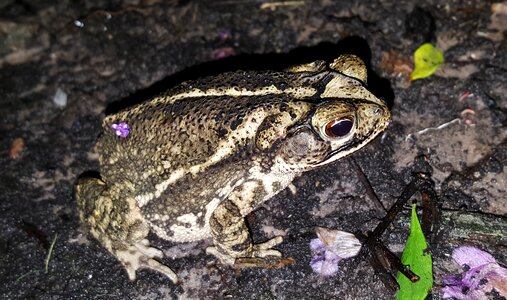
column 50, row 251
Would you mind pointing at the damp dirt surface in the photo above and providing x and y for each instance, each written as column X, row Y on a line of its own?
column 64, row 65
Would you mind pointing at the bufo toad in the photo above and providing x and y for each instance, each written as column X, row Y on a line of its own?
column 192, row 163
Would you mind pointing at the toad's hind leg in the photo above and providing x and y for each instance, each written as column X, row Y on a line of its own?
column 115, row 221
column 231, row 237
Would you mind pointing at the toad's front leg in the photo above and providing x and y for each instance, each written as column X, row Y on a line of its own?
column 230, row 234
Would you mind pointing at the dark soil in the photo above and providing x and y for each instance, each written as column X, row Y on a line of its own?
column 64, row 66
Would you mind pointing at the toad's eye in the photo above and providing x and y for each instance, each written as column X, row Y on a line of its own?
column 338, row 128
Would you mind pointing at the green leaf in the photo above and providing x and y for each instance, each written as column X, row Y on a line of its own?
column 427, row 60
column 420, row 263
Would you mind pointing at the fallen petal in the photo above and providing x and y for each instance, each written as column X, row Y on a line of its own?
column 316, row 245
column 483, row 276
column 472, row 257
column 330, row 248
column 343, row 244
column 323, row 267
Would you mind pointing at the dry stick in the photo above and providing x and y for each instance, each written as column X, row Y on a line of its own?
column 379, row 255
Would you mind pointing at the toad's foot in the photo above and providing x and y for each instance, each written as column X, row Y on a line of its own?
column 139, row 256
column 259, row 252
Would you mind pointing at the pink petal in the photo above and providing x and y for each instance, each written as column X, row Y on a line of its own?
column 325, row 268
column 472, row 257
column 316, row 245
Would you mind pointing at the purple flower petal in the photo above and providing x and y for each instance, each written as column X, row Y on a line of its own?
column 332, row 257
column 330, row 248
column 324, row 268
column 317, row 245
column 451, row 279
column 454, row 292
column 487, row 277
column 472, row 257
column 483, row 276
column 121, row 129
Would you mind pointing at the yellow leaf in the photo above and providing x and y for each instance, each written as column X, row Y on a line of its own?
column 427, row 60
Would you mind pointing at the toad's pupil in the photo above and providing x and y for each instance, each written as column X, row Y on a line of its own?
column 338, row 128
